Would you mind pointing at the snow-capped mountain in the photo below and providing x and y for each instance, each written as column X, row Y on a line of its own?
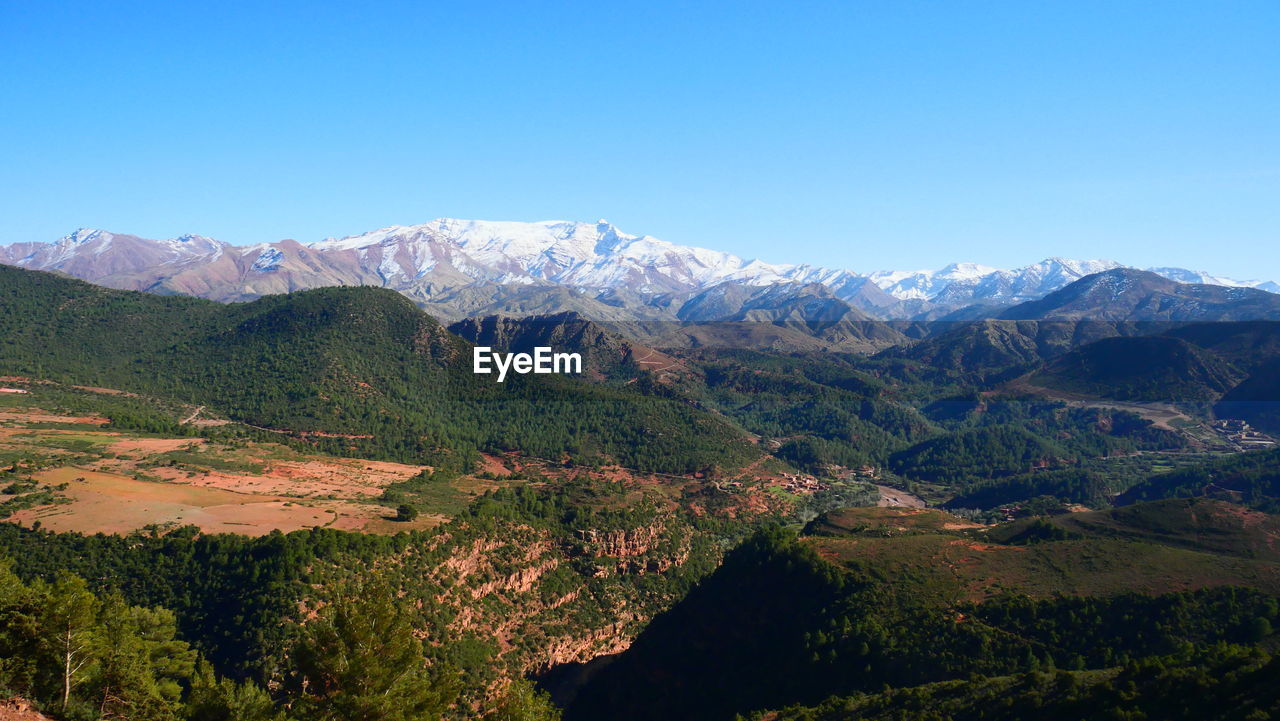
column 462, row 267
column 1128, row 294
column 1182, row 275
column 580, row 255
column 928, row 284
column 598, row 255
column 99, row 255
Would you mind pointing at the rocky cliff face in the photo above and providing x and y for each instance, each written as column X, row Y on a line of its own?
column 539, row 597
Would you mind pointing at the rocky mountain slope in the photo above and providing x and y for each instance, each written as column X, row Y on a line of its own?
column 465, row 268
column 1134, row 295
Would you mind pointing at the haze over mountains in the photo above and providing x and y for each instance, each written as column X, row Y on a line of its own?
column 464, row 268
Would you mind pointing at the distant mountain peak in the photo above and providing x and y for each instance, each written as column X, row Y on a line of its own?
column 478, row 265
column 1131, row 294
column 965, row 269
column 84, row 235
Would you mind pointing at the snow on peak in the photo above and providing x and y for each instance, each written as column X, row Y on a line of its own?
column 83, row 235
column 965, row 271
column 1182, row 275
column 268, row 259
column 600, row 256
column 574, row 253
column 1081, row 267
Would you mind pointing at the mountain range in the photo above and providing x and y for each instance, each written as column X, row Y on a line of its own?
column 589, row 553
column 465, row 268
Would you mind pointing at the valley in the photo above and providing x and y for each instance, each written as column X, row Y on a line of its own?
column 85, row 476
column 924, row 365
column 952, row 502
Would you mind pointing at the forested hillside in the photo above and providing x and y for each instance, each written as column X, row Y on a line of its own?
column 520, row 582
column 779, row 623
column 361, row 362
column 1222, row 683
column 622, row 545
column 1252, row 479
column 888, row 428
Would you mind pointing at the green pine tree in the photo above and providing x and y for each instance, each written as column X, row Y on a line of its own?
column 68, row 626
column 522, row 701
column 220, row 699
column 360, row 661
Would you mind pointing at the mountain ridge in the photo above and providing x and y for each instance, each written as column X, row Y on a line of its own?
column 460, row 268
column 362, row 366
column 1126, row 294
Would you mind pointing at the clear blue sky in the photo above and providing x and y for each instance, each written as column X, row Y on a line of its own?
column 865, row 135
